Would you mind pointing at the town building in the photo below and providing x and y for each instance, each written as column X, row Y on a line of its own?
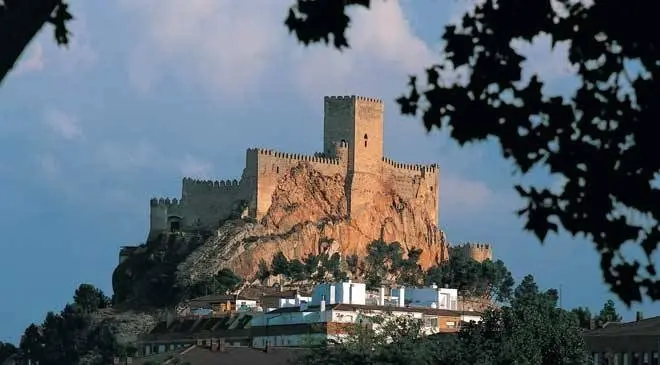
column 335, row 307
column 632, row 343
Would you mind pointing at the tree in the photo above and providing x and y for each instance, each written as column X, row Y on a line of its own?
column 381, row 339
column 596, row 140
column 472, row 278
column 20, row 20
column 66, row 337
column 583, row 316
column 280, row 264
column 608, row 314
column 311, row 264
column 226, row 281
column 6, row 350
column 89, row 298
column 411, row 273
column 263, row 272
column 296, row 270
column 353, row 264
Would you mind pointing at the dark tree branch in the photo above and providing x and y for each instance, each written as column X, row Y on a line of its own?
column 20, row 20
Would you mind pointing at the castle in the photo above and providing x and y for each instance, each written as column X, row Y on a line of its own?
column 352, row 148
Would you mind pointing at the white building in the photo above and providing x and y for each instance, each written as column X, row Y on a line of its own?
column 336, row 306
column 296, row 301
column 346, row 293
column 433, row 297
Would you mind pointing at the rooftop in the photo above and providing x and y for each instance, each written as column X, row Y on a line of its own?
column 644, row 327
column 232, row 355
column 355, row 307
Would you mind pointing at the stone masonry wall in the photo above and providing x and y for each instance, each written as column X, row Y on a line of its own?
column 366, row 175
column 272, row 165
column 413, row 181
column 477, row 251
column 207, row 202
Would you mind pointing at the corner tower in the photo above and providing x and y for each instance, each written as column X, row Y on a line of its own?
column 358, row 122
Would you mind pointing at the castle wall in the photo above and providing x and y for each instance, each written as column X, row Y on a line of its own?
column 206, row 203
column 477, row 251
column 414, row 181
column 272, row 165
column 163, row 209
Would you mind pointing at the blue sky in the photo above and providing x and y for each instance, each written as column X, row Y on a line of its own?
column 90, row 133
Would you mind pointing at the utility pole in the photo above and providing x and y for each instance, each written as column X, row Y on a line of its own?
column 560, row 297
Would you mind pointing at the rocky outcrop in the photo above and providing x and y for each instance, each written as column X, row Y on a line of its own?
column 308, row 215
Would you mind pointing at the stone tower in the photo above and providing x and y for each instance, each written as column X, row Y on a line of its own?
column 357, row 122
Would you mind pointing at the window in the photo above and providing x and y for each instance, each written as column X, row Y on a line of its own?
column 365, row 140
column 431, row 321
column 450, row 324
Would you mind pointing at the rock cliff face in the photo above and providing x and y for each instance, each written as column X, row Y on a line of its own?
column 309, row 215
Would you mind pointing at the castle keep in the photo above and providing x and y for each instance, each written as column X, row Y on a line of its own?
column 352, row 148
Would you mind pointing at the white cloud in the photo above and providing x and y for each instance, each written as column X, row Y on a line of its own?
column 225, row 45
column 65, row 125
column 230, row 46
column 463, row 197
column 382, row 43
column 32, row 61
column 193, row 167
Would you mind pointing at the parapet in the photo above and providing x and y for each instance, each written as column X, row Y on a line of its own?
column 410, row 167
column 165, row 202
column 354, row 97
column 212, row 184
column 476, row 245
column 294, row 156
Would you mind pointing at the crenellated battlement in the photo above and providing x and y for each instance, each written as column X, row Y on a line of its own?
column 212, row 184
column 352, row 150
column 475, row 245
column 410, row 167
column 295, row 156
column 165, row 202
column 363, row 99
column 479, row 251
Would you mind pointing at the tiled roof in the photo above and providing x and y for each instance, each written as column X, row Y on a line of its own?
column 353, row 307
column 236, row 355
column 645, row 327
